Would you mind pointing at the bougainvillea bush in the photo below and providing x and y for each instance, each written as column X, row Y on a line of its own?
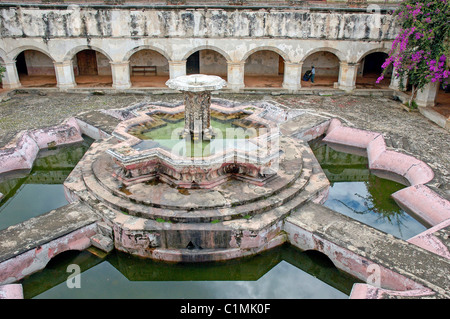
column 421, row 49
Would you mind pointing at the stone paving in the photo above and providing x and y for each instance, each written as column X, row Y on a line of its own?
column 407, row 132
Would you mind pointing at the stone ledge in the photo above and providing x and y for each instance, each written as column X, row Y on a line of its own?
column 11, row 291
column 355, row 246
column 36, row 231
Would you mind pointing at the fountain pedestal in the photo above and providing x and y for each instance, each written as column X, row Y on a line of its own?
column 197, row 99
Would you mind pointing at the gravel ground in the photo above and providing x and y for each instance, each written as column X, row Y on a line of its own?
column 408, row 132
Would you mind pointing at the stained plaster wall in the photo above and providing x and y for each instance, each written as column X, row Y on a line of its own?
column 238, row 35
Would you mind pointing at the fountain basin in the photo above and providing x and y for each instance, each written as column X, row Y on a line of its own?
column 246, row 148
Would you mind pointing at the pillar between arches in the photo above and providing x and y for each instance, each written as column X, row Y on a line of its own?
column 10, row 78
column 347, row 76
column 427, row 96
column 235, row 76
column 292, row 76
column 121, row 75
column 65, row 78
column 177, row 68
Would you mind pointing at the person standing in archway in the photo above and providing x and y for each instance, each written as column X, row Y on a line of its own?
column 313, row 74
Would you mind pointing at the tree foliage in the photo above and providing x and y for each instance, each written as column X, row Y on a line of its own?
column 420, row 50
column 2, row 70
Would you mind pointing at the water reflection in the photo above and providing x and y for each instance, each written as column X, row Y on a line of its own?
column 360, row 194
column 283, row 272
column 32, row 193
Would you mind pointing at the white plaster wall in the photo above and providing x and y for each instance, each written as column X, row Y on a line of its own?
column 199, row 23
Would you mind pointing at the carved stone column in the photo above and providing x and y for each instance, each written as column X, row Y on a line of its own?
column 121, row 75
column 197, row 102
column 197, row 120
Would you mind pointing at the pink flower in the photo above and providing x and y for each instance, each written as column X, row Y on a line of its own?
column 379, row 79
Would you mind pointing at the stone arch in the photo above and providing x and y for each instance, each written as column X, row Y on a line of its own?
column 148, row 67
column 145, row 47
column 336, row 52
column 72, row 52
column 326, row 62
column 266, row 48
column 320, row 258
column 15, row 52
column 369, row 68
column 96, row 70
column 207, row 47
column 366, row 53
column 207, row 60
column 264, row 67
column 35, row 66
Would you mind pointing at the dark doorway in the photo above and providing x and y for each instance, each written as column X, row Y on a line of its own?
column 373, row 63
column 193, row 63
column 21, row 64
column 87, row 62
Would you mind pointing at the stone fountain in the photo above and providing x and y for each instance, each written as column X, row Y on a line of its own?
column 197, row 100
column 229, row 202
column 254, row 159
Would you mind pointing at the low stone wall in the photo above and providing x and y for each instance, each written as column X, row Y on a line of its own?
column 28, row 247
column 417, row 198
column 21, row 152
column 389, row 266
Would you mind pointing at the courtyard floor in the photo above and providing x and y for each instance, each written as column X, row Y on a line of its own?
column 407, row 132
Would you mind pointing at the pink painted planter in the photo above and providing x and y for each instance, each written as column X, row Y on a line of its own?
column 418, row 198
column 21, row 153
column 428, row 241
column 425, row 203
column 347, row 260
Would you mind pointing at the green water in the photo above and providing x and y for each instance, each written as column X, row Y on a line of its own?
column 231, row 131
column 358, row 193
column 32, row 193
column 283, row 272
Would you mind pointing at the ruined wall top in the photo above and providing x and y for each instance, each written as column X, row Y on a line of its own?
column 254, row 3
column 51, row 21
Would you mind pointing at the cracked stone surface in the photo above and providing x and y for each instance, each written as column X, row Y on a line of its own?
column 408, row 132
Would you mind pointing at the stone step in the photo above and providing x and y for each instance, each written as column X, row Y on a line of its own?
column 198, row 215
column 247, row 209
column 102, row 242
column 160, row 191
column 103, row 170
